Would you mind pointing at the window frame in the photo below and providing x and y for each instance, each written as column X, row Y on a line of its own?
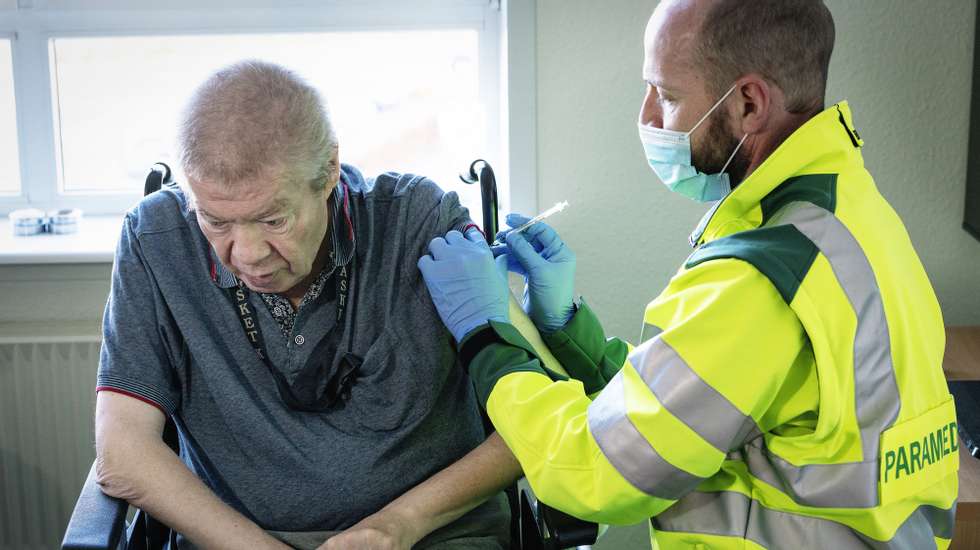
column 32, row 28
column 12, row 37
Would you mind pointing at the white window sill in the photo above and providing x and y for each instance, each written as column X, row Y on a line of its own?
column 95, row 242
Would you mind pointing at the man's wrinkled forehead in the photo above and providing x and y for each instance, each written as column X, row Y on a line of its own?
column 249, row 199
column 670, row 40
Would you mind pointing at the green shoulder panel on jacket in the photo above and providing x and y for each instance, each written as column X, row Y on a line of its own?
column 781, row 253
column 818, row 189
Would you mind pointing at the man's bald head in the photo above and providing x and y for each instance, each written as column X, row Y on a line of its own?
column 675, row 26
column 787, row 42
column 255, row 120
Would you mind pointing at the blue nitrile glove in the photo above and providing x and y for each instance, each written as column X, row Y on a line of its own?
column 548, row 267
column 468, row 286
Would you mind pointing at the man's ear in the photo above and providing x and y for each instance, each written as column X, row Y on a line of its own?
column 755, row 100
column 333, row 170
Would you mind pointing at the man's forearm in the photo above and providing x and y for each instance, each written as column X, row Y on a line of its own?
column 457, row 489
column 164, row 488
column 134, row 464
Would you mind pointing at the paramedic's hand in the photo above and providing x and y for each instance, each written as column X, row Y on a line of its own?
column 468, row 286
column 548, row 267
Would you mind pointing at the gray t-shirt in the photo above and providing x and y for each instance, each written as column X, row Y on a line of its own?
column 173, row 339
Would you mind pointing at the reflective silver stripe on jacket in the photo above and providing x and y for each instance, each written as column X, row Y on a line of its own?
column 876, row 397
column 706, row 411
column 689, row 398
column 629, row 452
column 733, row 514
column 846, row 485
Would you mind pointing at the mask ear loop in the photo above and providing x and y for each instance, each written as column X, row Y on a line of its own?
column 730, row 157
column 712, row 109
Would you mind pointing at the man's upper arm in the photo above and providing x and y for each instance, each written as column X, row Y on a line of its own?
column 121, row 416
column 437, row 211
column 125, row 430
column 136, row 358
column 431, row 213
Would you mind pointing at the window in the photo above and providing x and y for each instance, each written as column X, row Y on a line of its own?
column 9, row 161
column 411, row 90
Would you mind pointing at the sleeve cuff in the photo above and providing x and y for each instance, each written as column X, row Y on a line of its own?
column 581, row 347
column 495, row 350
column 136, row 396
column 137, row 390
column 581, row 341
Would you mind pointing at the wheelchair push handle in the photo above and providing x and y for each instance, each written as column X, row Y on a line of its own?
column 488, row 194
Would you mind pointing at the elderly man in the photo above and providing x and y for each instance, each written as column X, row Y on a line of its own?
column 789, row 390
column 273, row 310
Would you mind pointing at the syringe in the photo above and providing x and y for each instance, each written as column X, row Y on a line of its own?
column 558, row 207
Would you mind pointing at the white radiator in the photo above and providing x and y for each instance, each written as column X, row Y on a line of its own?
column 47, row 403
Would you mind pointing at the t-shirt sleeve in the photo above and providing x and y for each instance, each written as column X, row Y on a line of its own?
column 437, row 211
column 138, row 333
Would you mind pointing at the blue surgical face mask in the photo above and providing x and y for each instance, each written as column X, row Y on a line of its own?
column 669, row 155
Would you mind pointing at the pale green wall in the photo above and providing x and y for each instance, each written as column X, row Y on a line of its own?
column 904, row 65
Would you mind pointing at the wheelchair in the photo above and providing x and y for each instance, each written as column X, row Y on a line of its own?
column 98, row 521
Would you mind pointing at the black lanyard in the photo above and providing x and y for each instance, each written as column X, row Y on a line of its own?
column 342, row 378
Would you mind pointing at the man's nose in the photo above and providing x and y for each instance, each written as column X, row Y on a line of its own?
column 650, row 112
column 249, row 247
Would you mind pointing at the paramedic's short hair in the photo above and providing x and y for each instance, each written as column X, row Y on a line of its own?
column 252, row 119
column 788, row 42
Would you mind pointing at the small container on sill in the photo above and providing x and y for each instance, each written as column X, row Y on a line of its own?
column 65, row 221
column 27, row 222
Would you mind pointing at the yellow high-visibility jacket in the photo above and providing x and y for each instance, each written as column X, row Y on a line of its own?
column 788, row 390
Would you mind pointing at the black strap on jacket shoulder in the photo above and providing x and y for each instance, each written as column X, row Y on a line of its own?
column 476, row 343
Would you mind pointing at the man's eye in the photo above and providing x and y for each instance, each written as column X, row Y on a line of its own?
column 217, row 224
column 275, row 223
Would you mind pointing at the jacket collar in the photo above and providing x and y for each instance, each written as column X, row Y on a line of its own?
column 824, row 144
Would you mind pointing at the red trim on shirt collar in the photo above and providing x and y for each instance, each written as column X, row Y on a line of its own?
column 350, row 224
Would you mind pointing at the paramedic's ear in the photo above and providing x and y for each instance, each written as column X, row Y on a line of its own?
column 753, row 102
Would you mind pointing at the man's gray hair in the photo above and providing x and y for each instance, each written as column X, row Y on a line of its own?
column 256, row 119
column 787, row 42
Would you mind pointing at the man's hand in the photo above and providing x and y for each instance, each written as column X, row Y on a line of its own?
column 548, row 267
column 468, row 287
column 383, row 530
column 436, row 502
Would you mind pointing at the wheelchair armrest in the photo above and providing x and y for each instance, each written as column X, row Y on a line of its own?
column 98, row 520
column 555, row 529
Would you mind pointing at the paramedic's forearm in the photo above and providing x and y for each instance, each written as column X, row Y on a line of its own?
column 460, row 487
column 136, row 465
